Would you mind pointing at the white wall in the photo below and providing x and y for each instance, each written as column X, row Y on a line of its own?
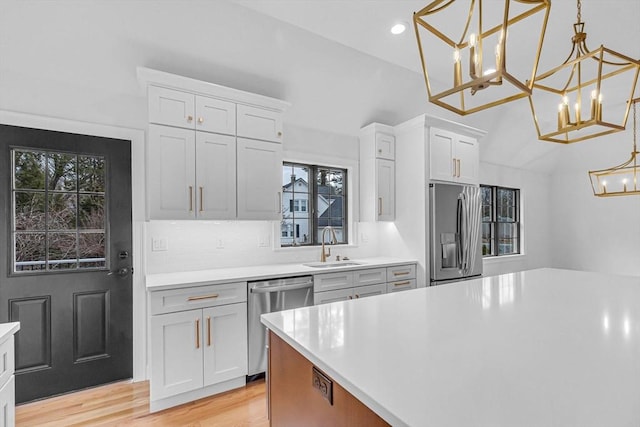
column 587, row 232
column 535, row 217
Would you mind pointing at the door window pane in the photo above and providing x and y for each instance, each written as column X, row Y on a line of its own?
column 56, row 196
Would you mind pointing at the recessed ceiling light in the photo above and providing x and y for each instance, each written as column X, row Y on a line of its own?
column 398, row 28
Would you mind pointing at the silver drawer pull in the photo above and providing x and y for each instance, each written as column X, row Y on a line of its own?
column 402, row 283
column 202, row 297
column 400, row 273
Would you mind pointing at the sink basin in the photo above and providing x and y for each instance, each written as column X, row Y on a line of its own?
column 331, row 264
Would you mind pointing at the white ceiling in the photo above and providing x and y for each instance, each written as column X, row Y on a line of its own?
column 364, row 25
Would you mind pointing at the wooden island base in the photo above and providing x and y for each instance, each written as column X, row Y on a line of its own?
column 294, row 401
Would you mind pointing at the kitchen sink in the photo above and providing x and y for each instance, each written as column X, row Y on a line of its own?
column 331, row 264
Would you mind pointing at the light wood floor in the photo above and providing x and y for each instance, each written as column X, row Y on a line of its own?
column 127, row 404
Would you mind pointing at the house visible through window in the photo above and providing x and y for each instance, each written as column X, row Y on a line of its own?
column 500, row 221
column 314, row 197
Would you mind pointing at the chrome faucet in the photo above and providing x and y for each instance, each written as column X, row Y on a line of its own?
column 333, row 241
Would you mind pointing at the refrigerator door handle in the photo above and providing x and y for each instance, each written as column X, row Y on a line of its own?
column 459, row 237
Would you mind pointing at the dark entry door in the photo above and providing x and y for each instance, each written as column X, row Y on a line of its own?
column 65, row 258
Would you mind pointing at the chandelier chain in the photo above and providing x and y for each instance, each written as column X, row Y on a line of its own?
column 579, row 11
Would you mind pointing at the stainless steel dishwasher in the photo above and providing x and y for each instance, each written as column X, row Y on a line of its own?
column 266, row 297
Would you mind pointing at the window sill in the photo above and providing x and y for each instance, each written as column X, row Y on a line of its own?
column 312, row 248
column 503, row 258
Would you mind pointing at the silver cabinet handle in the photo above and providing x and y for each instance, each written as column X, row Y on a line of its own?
column 379, row 205
column 454, row 168
column 458, row 167
column 200, row 120
column 190, row 198
column 201, row 200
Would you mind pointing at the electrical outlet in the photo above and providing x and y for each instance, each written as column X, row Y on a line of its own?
column 219, row 244
column 364, row 238
column 263, row 241
column 159, row 244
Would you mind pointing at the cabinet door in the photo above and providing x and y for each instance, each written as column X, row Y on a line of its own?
column 215, row 115
column 171, row 107
column 215, row 176
column 441, row 156
column 259, row 180
column 258, row 123
column 332, row 296
column 8, row 403
column 385, row 146
column 385, row 175
column 176, row 353
column 467, row 156
column 370, row 290
column 225, row 342
column 171, row 173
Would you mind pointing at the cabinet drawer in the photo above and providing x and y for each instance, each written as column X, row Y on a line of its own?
column 6, row 360
column 171, row 107
column 332, row 296
column 331, row 281
column 369, row 277
column 197, row 297
column 257, row 123
column 369, row 291
column 401, row 285
column 401, row 272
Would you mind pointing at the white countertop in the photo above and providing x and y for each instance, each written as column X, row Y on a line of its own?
column 8, row 329
column 539, row 348
column 156, row 282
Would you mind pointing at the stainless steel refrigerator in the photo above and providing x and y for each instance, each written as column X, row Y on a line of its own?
column 454, row 232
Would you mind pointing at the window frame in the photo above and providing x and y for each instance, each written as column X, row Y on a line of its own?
column 495, row 221
column 311, row 206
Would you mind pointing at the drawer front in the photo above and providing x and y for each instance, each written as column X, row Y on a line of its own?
column 332, row 296
column 369, row 291
column 257, row 123
column 331, row 281
column 369, row 277
column 401, row 272
column 401, row 285
column 197, row 297
column 6, row 360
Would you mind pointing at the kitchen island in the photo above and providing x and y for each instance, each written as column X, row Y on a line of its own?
column 543, row 347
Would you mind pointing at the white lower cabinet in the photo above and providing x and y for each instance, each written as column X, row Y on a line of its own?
column 362, row 283
column 197, row 352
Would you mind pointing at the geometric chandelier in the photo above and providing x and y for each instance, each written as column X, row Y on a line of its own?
column 477, row 54
column 587, row 96
column 621, row 180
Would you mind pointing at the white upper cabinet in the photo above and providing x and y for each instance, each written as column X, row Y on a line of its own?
column 385, row 146
column 259, row 179
column 196, row 170
column 171, row 173
column 377, row 173
column 258, row 123
column 171, row 107
column 453, row 157
column 215, row 115
column 186, row 110
column 215, row 176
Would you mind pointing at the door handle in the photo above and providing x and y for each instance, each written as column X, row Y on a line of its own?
column 121, row 272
